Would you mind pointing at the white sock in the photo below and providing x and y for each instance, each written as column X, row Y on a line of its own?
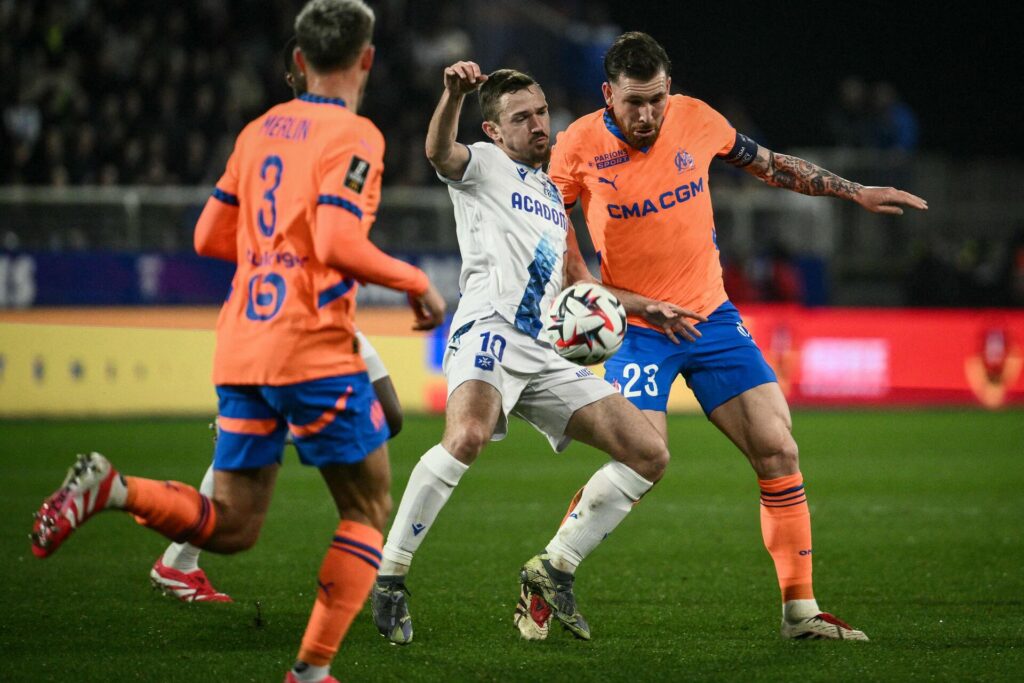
column 184, row 556
column 310, row 673
column 430, row 485
column 607, row 499
column 795, row 610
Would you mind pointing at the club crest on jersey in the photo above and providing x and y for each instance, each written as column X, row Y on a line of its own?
column 609, row 159
column 684, row 162
column 484, row 362
column 552, row 193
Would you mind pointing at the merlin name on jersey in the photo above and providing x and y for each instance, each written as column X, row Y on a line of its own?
column 525, row 202
column 663, row 202
column 286, row 127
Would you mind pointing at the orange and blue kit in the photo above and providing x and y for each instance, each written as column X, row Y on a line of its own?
column 287, row 357
column 650, row 218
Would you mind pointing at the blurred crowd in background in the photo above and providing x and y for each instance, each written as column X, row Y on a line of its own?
column 153, row 93
column 146, row 92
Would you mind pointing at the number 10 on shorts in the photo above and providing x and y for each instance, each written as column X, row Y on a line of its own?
column 493, row 343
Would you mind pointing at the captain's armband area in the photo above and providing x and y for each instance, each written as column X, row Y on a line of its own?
column 743, row 152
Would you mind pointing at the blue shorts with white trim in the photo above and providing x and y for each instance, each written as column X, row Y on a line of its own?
column 721, row 364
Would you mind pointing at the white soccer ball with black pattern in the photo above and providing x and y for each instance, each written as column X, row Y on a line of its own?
column 586, row 324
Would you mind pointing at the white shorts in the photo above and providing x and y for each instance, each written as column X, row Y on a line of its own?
column 374, row 365
column 535, row 383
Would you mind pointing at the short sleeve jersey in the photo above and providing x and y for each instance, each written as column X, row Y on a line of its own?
column 649, row 210
column 511, row 227
column 289, row 317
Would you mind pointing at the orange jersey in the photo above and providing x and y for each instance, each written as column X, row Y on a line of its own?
column 289, row 317
column 649, row 210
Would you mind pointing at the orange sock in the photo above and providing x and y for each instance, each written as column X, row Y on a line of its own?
column 176, row 510
column 572, row 506
column 346, row 577
column 786, row 528
column 576, row 501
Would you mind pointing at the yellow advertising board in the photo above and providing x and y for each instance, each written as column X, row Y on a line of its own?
column 81, row 370
column 140, row 363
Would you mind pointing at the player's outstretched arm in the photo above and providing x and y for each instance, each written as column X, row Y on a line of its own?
column 799, row 175
column 449, row 157
column 340, row 243
column 429, row 308
column 673, row 320
column 670, row 318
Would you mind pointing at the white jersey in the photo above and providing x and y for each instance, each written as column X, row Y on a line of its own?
column 511, row 226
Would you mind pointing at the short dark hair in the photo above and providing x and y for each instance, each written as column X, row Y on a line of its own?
column 497, row 84
column 332, row 33
column 637, row 55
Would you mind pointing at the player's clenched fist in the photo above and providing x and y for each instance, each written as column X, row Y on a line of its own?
column 429, row 308
column 462, row 78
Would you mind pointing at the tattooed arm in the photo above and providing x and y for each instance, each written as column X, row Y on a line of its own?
column 793, row 173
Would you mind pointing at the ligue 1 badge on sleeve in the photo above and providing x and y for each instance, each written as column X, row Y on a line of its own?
column 355, row 178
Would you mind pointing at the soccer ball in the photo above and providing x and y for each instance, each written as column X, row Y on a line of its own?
column 586, row 324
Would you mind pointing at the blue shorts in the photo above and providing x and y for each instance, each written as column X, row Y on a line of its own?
column 723, row 363
column 334, row 420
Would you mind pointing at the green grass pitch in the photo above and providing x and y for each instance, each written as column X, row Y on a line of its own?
column 918, row 538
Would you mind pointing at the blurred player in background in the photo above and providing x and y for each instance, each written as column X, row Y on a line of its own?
column 640, row 169
column 177, row 571
column 512, row 234
column 289, row 211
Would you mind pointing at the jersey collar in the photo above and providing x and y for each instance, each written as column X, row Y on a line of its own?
column 613, row 128
column 320, row 99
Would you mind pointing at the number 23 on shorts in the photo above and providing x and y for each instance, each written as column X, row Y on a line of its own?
column 639, row 380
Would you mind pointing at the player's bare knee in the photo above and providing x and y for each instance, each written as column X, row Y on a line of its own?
column 647, row 457
column 654, row 460
column 466, row 441
column 790, row 454
column 776, row 457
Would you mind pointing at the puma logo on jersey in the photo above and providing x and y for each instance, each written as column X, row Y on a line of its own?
column 610, row 182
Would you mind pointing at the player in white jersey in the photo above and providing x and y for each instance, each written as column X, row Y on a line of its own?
column 512, row 232
column 177, row 572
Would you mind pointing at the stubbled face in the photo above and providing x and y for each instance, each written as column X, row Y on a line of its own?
column 524, row 126
column 638, row 106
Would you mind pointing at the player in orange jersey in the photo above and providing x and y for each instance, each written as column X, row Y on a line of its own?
column 640, row 169
column 289, row 210
column 177, row 572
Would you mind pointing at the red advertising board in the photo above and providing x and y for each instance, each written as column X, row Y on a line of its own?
column 884, row 356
